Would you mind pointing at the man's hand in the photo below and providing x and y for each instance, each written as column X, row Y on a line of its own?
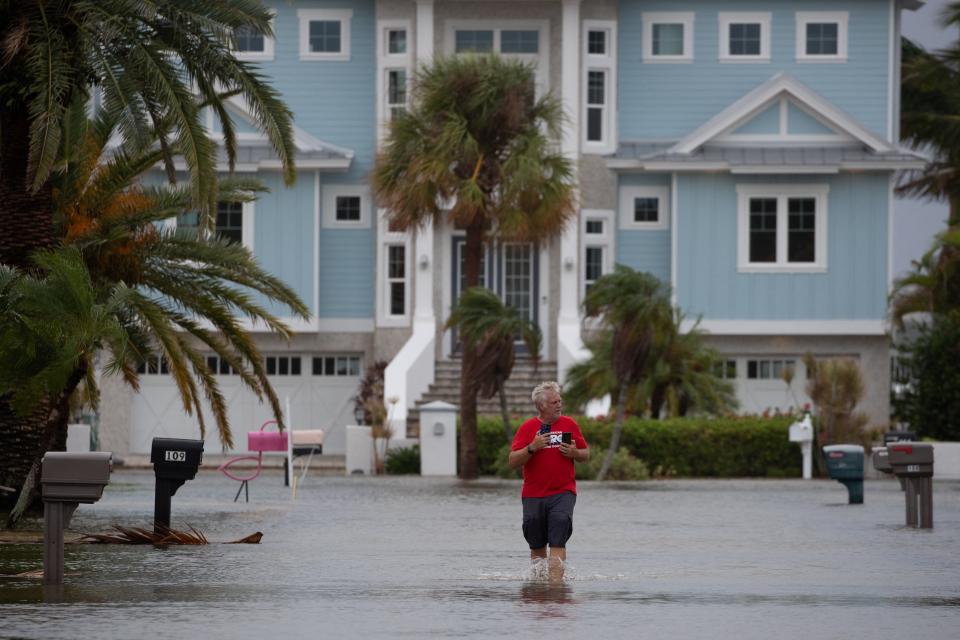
column 541, row 441
column 569, row 450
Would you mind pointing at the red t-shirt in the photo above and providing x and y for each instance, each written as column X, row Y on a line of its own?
column 548, row 472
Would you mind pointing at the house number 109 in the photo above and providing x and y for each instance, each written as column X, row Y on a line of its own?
column 175, row 456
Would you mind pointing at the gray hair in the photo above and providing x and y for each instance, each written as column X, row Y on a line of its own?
column 542, row 388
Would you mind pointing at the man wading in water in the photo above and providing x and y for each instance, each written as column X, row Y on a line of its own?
column 546, row 447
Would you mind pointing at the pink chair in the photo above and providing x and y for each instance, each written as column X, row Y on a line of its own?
column 258, row 441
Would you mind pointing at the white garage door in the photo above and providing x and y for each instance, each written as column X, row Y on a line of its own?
column 319, row 388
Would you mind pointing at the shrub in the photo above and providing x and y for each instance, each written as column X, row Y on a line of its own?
column 931, row 403
column 403, row 461
column 730, row 447
column 501, row 465
column 625, row 466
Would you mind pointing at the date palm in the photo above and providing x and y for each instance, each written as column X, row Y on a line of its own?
column 477, row 147
column 150, row 289
column 635, row 307
column 491, row 328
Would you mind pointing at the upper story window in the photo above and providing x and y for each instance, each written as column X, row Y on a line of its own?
column 325, row 34
column 782, row 228
column 744, row 36
column 644, row 208
column 667, row 36
column 599, row 63
column 597, row 242
column 393, row 279
column 522, row 39
column 234, row 222
column 396, row 42
column 822, row 36
column 345, row 206
column 393, row 71
column 250, row 44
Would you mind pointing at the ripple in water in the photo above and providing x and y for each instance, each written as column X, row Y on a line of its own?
column 539, row 571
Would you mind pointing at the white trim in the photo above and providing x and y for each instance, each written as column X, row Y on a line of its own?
column 386, row 239
column 890, row 210
column 606, row 63
column 317, row 192
column 726, row 18
column 247, row 230
column 790, row 327
column 343, row 16
column 390, row 62
column 784, row 128
column 628, row 195
column 259, row 56
column 329, row 207
column 602, row 241
column 893, row 75
column 683, row 18
column 541, row 58
column 840, row 18
column 762, row 97
column 782, row 192
column 626, row 164
column 674, row 238
column 345, row 325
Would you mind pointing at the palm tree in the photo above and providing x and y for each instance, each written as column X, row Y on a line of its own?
column 151, row 289
column 635, row 307
column 478, row 140
column 492, row 328
column 156, row 64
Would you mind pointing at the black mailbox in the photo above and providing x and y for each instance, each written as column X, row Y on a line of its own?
column 881, row 460
column 911, row 459
column 898, row 436
column 75, row 477
column 175, row 460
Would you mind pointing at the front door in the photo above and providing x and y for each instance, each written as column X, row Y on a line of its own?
column 510, row 269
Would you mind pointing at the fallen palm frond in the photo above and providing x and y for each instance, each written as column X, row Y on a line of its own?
column 163, row 536
column 253, row 538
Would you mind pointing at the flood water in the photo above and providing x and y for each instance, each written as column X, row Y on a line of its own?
column 413, row 558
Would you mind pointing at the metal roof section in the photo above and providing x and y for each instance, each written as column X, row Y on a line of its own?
column 660, row 156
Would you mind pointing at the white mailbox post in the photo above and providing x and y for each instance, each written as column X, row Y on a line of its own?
column 438, row 439
column 359, row 450
column 802, row 433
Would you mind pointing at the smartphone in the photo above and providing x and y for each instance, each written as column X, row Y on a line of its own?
column 567, row 437
column 544, row 428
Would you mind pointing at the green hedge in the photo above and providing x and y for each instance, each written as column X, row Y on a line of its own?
column 689, row 447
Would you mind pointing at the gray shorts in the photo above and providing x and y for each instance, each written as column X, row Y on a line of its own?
column 548, row 520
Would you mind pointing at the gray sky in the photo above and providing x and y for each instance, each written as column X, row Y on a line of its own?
column 915, row 222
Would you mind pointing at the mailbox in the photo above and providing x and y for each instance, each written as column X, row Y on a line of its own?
column 881, row 460
column 75, row 477
column 911, row 459
column 801, row 432
column 175, row 460
column 845, row 464
column 898, row 436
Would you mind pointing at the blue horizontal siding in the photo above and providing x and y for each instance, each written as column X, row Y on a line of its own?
column 670, row 100
column 644, row 250
column 347, row 277
column 854, row 286
column 767, row 121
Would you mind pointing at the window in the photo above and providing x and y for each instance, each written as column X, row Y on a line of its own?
column 325, row 34
column 394, row 64
column 219, row 366
column 599, row 96
column 348, row 209
column 396, row 92
column 230, row 221
column 782, row 228
column 396, row 42
column 644, row 208
column 744, row 36
column 667, row 36
column 773, row 369
column 250, row 44
column 345, row 206
column 283, row 365
column 154, row 366
column 597, row 242
column 474, row 42
column 396, row 279
column 336, row 366
column 725, row 368
column 822, row 36
column 519, row 39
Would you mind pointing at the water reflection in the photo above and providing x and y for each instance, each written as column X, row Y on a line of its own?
column 554, row 594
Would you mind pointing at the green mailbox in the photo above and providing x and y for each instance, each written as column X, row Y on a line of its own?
column 845, row 464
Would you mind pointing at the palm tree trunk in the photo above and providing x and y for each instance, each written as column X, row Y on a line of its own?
column 507, row 427
column 617, row 430
column 26, row 225
column 469, row 466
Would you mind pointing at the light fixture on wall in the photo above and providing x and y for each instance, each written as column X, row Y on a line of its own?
column 424, row 261
column 568, row 263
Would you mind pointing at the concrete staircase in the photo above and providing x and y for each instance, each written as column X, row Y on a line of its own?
column 446, row 387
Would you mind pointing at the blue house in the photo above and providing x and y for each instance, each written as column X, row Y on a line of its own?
column 743, row 151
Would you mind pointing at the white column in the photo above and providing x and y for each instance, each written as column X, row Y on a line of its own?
column 424, row 31
column 569, row 343
column 424, row 263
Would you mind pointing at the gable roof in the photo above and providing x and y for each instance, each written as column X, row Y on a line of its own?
column 762, row 97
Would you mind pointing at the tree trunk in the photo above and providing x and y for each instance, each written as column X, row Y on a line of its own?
column 469, row 467
column 617, row 430
column 507, row 427
column 657, row 398
column 26, row 225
